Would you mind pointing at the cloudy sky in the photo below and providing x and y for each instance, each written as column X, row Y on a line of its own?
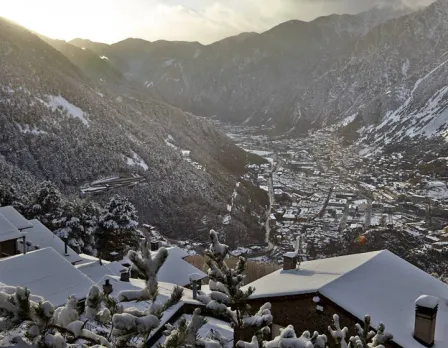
column 193, row 20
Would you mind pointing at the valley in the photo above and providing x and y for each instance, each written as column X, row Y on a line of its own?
column 299, row 135
column 335, row 198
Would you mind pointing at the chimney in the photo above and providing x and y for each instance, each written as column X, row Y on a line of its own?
column 425, row 319
column 195, row 281
column 154, row 245
column 66, row 246
column 124, row 276
column 24, row 244
column 107, row 287
column 289, row 261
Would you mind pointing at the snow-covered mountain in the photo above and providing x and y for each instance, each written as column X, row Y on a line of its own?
column 386, row 64
column 74, row 124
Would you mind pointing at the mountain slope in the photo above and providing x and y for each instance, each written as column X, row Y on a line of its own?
column 253, row 78
column 60, row 125
column 387, row 65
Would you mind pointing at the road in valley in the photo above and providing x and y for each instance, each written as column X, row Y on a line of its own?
column 276, row 167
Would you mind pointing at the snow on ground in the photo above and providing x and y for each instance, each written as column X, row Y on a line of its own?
column 27, row 129
column 346, row 121
column 436, row 190
column 405, row 67
column 261, row 153
column 228, row 217
column 136, row 160
column 170, row 142
column 62, row 104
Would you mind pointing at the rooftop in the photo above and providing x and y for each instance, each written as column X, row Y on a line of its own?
column 15, row 217
column 377, row 283
column 46, row 273
column 40, row 236
column 7, row 230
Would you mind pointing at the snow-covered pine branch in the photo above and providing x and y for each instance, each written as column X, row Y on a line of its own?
column 30, row 317
column 94, row 306
column 185, row 334
column 226, row 297
column 147, row 267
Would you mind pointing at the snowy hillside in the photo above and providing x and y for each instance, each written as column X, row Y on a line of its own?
column 386, row 64
column 74, row 125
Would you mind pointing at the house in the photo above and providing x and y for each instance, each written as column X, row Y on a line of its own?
column 98, row 269
column 39, row 237
column 9, row 234
column 377, row 283
column 15, row 218
column 46, row 273
column 362, row 204
column 175, row 269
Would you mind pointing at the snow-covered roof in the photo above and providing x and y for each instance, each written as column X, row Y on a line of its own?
column 176, row 270
column 177, row 252
column 89, row 258
column 7, row 230
column 15, row 217
column 46, row 273
column 40, row 236
column 96, row 270
column 309, row 277
column 378, row 283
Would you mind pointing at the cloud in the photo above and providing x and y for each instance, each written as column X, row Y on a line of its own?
column 208, row 21
column 191, row 20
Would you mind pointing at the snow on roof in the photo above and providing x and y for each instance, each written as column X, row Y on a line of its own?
column 309, row 277
column 42, row 237
column 89, row 258
column 177, row 252
column 176, row 270
column 377, row 283
column 427, row 301
column 96, row 271
column 7, row 230
column 15, row 217
column 46, row 273
column 392, row 286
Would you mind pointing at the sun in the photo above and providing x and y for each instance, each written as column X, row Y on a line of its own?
column 61, row 19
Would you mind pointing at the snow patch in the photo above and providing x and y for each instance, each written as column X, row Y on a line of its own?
column 27, row 129
column 405, row 68
column 136, row 160
column 62, row 104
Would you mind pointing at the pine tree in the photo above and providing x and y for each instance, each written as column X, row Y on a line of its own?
column 40, row 323
column 227, row 298
column 133, row 322
column 365, row 337
column 117, row 226
column 45, row 204
column 185, row 334
column 78, row 222
column 9, row 196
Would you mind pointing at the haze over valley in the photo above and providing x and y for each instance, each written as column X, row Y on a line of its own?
column 264, row 147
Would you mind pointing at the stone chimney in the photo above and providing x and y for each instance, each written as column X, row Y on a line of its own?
column 290, row 261
column 425, row 319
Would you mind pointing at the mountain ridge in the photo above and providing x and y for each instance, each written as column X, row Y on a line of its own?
column 59, row 125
